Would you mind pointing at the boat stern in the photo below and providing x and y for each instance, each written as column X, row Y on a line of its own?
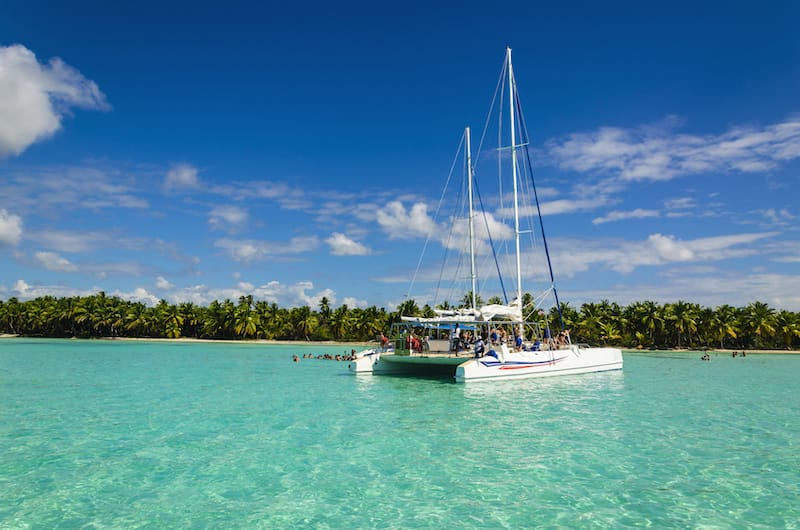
column 365, row 362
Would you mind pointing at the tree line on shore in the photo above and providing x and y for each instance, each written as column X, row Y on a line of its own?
column 638, row 325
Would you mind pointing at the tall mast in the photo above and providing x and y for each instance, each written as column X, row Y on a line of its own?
column 511, row 105
column 473, row 276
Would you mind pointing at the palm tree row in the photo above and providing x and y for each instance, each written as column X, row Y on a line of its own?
column 103, row 316
column 639, row 325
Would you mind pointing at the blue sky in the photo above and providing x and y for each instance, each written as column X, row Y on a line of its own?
column 291, row 151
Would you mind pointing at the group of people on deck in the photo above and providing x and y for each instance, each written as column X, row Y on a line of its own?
column 462, row 341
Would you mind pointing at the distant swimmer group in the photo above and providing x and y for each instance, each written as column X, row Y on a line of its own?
column 707, row 357
column 327, row 356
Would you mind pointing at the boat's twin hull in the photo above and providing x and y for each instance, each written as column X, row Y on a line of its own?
column 523, row 365
column 507, row 365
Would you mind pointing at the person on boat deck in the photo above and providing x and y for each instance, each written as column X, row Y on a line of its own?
column 561, row 339
column 384, row 341
column 493, row 337
column 479, row 347
column 518, row 342
column 547, row 339
column 413, row 343
column 456, row 338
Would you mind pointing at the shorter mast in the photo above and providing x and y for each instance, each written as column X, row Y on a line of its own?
column 473, row 276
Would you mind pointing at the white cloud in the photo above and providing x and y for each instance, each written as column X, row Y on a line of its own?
column 658, row 153
column 250, row 250
column 228, row 217
column 55, row 189
column 401, row 224
column 10, row 228
column 638, row 213
column 162, row 283
column 484, row 225
column 71, row 241
column 667, row 248
column 285, row 295
column 680, row 203
column 572, row 257
column 54, row 262
column 35, row 97
column 777, row 217
column 341, row 245
column 352, row 302
column 710, row 289
column 24, row 291
column 139, row 294
column 181, row 176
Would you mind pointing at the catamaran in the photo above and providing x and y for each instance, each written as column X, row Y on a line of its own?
column 495, row 341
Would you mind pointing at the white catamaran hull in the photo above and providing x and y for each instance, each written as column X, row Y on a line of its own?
column 506, row 365
column 522, row 365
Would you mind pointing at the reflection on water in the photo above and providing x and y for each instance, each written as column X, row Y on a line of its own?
column 553, row 388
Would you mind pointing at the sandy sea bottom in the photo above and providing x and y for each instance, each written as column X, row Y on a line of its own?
column 107, row 434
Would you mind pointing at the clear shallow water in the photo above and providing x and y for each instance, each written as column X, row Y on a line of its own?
column 99, row 434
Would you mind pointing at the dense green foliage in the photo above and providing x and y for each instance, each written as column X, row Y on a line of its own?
column 640, row 324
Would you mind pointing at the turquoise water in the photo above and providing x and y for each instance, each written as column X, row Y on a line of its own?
column 107, row 434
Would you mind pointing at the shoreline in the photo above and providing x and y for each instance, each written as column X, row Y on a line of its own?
column 368, row 343
column 190, row 340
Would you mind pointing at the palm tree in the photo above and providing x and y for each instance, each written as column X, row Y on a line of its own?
column 724, row 324
column 342, row 322
column 609, row 332
column 137, row 320
column 683, row 316
column 273, row 320
column 590, row 322
column 170, row 319
column 305, row 321
column 466, row 301
column 758, row 321
column 245, row 320
column 324, row 310
column 788, row 324
column 652, row 319
column 408, row 308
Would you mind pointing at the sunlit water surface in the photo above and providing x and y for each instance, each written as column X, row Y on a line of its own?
column 112, row 434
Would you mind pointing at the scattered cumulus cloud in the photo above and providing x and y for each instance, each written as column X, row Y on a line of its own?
column 10, row 228
column 72, row 242
column 181, row 176
column 352, row 302
column 285, row 295
column 252, row 250
column 139, row 294
column 638, row 213
column 573, row 257
column 400, row 223
column 778, row 217
column 562, row 206
column 653, row 153
column 162, row 283
column 54, row 189
column 228, row 217
column 341, row 245
column 54, row 262
column 35, row 97
column 681, row 203
column 25, row 291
